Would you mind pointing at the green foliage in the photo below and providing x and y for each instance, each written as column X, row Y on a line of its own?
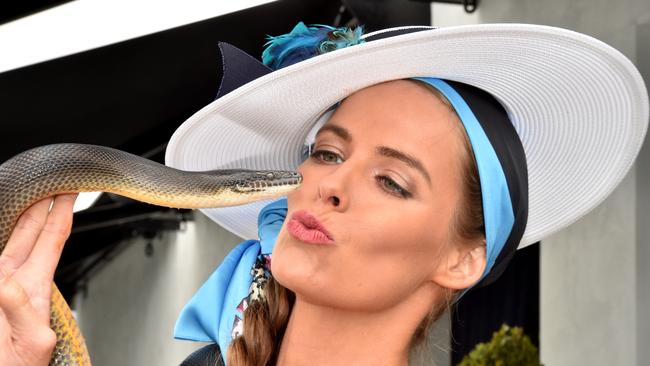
column 509, row 347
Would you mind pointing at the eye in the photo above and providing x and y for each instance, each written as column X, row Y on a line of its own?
column 392, row 187
column 326, row 156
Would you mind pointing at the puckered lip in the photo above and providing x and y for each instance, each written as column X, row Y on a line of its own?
column 311, row 222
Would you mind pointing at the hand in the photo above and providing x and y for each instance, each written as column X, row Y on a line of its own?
column 26, row 273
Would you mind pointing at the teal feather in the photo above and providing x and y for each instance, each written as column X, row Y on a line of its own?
column 304, row 42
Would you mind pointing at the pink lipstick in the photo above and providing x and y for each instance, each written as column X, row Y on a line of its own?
column 307, row 228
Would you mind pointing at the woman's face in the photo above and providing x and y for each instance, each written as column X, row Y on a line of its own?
column 384, row 179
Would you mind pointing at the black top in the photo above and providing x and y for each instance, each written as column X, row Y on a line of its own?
column 209, row 355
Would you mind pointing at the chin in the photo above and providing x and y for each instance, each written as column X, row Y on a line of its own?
column 292, row 265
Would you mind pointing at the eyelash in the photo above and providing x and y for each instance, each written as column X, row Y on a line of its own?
column 382, row 179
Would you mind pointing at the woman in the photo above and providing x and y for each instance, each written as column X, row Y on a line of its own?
column 401, row 208
column 406, row 235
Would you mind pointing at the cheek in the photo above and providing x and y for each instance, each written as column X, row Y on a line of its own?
column 307, row 185
column 403, row 229
column 394, row 255
column 404, row 243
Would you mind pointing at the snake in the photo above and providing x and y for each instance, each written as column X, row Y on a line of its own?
column 48, row 170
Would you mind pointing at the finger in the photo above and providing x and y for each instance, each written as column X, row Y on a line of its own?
column 15, row 304
column 27, row 330
column 44, row 258
column 24, row 236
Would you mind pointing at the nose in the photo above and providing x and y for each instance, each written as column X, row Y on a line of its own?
column 333, row 188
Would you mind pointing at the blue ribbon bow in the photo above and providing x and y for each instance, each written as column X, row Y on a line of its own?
column 215, row 311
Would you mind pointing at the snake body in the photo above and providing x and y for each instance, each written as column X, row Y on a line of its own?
column 67, row 168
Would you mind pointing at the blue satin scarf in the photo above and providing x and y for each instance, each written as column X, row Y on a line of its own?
column 215, row 312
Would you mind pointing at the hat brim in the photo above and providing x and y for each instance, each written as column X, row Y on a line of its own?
column 579, row 106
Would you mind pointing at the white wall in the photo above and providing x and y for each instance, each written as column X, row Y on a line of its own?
column 131, row 306
column 595, row 297
column 643, row 212
column 588, row 286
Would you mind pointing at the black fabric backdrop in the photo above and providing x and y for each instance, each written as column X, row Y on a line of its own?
column 512, row 299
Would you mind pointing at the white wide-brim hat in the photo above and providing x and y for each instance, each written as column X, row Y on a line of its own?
column 579, row 106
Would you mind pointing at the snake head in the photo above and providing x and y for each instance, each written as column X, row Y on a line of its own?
column 230, row 187
column 265, row 182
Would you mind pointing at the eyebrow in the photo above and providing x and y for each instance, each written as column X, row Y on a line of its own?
column 337, row 130
column 411, row 161
column 386, row 151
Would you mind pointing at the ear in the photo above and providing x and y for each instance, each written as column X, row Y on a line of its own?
column 461, row 267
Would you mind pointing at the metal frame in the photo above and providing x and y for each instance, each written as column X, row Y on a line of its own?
column 469, row 5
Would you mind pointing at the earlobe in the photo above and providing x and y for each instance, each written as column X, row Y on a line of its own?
column 461, row 268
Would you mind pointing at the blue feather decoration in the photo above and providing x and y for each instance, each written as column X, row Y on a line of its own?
column 305, row 42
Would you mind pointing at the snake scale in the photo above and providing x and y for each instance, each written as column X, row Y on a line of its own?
column 48, row 170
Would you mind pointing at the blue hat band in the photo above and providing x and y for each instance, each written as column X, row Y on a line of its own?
column 497, row 206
